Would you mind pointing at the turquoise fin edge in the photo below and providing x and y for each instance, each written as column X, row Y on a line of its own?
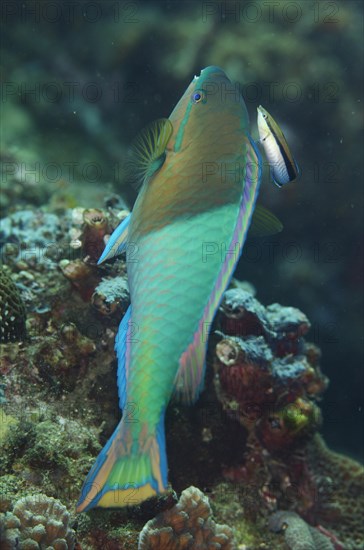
column 116, row 245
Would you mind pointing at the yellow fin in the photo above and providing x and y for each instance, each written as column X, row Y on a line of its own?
column 264, row 223
column 147, row 150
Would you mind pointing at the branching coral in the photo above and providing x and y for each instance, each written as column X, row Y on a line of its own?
column 186, row 526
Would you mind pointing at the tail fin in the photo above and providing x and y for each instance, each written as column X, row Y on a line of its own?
column 127, row 471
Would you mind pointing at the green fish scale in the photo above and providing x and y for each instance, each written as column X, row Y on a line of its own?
column 172, row 286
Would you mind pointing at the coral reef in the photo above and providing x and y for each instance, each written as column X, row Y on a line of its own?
column 30, row 236
column 46, row 453
column 12, row 310
column 186, row 526
column 266, row 377
column 250, row 440
column 49, row 432
column 83, row 277
column 111, row 295
column 89, row 228
column 37, row 522
column 270, row 384
column 338, row 482
column 69, row 114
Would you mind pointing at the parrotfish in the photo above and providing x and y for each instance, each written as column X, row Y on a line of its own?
column 284, row 168
column 201, row 174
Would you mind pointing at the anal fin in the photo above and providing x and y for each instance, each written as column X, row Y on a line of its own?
column 264, row 223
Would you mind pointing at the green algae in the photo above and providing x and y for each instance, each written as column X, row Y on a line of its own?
column 108, row 529
column 11, row 487
column 7, row 422
column 228, row 507
column 51, row 454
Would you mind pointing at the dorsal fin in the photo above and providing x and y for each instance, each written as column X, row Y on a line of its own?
column 147, row 151
column 264, row 223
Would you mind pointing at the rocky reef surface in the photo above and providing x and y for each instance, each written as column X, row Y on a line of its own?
column 251, row 443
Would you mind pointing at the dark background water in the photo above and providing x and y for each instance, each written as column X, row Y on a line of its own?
column 80, row 79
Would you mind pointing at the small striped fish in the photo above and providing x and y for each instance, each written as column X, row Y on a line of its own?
column 283, row 166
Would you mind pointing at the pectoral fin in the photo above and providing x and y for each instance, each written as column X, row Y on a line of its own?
column 147, row 152
column 264, row 223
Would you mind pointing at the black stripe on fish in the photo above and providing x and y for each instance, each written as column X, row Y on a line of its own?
column 290, row 165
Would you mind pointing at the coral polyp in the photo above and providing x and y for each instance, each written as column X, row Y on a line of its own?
column 95, row 226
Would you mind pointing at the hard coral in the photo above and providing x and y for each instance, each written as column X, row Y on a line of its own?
column 82, row 276
column 243, row 314
column 88, row 232
column 265, row 374
column 339, row 487
column 89, row 227
column 187, row 525
column 12, row 310
column 95, row 227
column 268, row 378
column 37, row 522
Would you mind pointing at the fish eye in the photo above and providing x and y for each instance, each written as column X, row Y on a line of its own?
column 197, row 96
